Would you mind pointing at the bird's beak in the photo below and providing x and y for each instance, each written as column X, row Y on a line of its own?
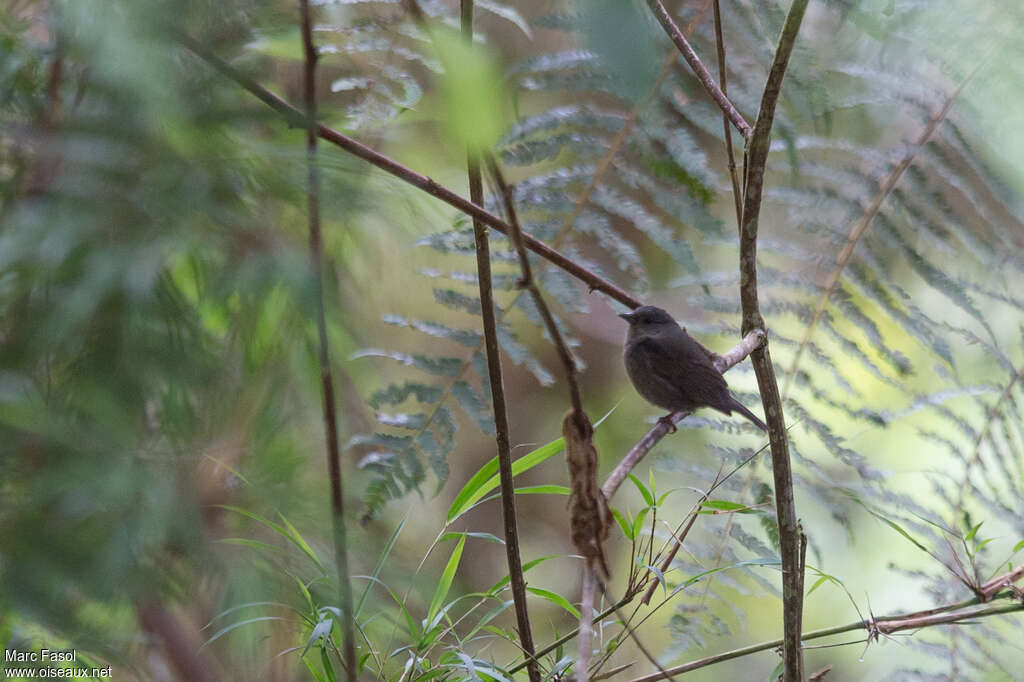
column 628, row 317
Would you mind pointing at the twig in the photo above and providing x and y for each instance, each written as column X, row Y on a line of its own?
column 588, row 595
column 666, row 21
column 567, row 637
column 494, row 372
column 722, row 362
column 722, row 77
column 296, row 117
column 326, row 377
column 874, row 627
column 527, row 282
column 988, row 591
column 590, row 515
column 789, row 529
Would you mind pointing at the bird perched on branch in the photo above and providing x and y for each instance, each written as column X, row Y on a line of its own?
column 671, row 370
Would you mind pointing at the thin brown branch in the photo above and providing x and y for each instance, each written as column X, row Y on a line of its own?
column 672, row 29
column 422, row 182
column 874, row 627
column 527, row 282
column 860, row 227
column 722, row 363
column 502, row 439
column 723, row 80
column 789, row 529
column 324, row 355
column 590, row 515
column 588, row 595
column 988, row 590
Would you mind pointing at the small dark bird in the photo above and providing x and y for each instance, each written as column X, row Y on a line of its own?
column 671, row 370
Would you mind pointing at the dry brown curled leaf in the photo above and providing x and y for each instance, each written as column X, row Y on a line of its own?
column 589, row 516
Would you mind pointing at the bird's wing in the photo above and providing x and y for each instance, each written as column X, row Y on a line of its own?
column 681, row 365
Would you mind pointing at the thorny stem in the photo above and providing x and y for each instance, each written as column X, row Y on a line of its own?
column 501, row 427
column 296, row 117
column 789, row 530
column 326, row 377
column 701, row 71
column 875, row 627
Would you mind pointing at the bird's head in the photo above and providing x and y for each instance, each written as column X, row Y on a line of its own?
column 648, row 318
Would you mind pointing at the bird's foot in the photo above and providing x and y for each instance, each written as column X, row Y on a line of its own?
column 667, row 421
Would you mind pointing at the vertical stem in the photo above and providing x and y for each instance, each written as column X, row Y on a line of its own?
column 508, row 500
column 586, row 629
column 789, row 529
column 326, row 378
column 723, row 79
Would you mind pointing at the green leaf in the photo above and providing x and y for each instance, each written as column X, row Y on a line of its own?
column 410, row 623
column 638, row 522
column 817, row 583
column 486, row 478
column 768, row 561
column 726, row 506
column 490, row 537
column 328, row 665
column 380, row 565
column 526, row 567
column 234, row 626
column 447, row 576
column 624, row 524
column 899, row 529
column 290, row 534
column 301, row 543
column 313, row 670
column 644, row 492
column 556, row 599
column 549, row 489
column 321, row 631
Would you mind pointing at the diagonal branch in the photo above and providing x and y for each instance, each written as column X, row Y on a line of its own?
column 431, row 187
column 705, row 78
column 527, row 282
column 791, row 540
column 324, row 356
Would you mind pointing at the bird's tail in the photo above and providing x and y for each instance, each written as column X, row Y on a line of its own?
column 738, row 406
